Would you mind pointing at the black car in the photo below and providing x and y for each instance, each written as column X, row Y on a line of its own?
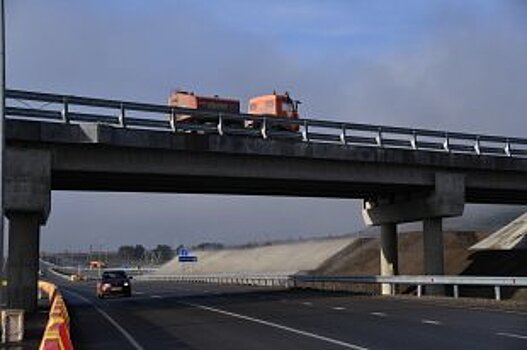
column 114, row 283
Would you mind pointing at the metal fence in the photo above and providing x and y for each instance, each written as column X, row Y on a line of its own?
column 75, row 109
column 268, row 280
column 287, row 281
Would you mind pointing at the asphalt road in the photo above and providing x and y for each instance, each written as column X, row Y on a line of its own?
column 164, row 315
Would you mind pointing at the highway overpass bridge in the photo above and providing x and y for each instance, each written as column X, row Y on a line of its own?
column 87, row 144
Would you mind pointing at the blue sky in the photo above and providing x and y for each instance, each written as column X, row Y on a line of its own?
column 451, row 64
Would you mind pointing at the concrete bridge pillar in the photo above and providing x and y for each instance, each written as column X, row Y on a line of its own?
column 446, row 199
column 389, row 257
column 433, row 251
column 22, row 266
column 27, row 205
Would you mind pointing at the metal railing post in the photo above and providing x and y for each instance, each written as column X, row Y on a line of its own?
column 456, row 291
column 305, row 132
column 507, row 149
column 477, row 146
column 220, row 124
column 413, row 141
column 65, row 110
column 343, row 138
column 173, row 120
column 264, row 128
column 497, row 292
column 378, row 138
column 419, row 290
column 122, row 116
column 446, row 143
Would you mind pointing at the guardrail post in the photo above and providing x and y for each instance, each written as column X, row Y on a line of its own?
column 507, row 149
column 264, row 128
column 419, row 290
column 413, row 141
column 65, row 110
column 378, row 138
column 456, row 291
column 305, row 132
column 122, row 116
column 477, row 146
column 446, row 144
column 220, row 124
column 173, row 120
column 497, row 292
column 343, row 138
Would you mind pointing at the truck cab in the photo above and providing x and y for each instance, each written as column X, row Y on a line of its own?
column 276, row 105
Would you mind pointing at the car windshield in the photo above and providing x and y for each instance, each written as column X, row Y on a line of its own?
column 113, row 274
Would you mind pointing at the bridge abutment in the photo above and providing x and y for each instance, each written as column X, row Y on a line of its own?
column 27, row 202
column 446, row 199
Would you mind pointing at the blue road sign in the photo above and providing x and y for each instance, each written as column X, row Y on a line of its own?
column 188, row 258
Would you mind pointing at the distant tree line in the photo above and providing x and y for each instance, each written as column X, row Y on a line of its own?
column 138, row 253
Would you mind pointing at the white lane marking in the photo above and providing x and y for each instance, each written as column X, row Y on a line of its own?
column 434, row 322
column 156, row 297
column 512, row 335
column 378, row 314
column 114, row 323
column 307, row 303
column 139, row 293
column 279, row 326
column 339, row 308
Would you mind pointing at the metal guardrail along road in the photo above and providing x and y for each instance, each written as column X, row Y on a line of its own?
column 75, row 109
column 280, row 280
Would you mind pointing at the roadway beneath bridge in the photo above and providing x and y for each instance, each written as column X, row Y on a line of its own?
column 162, row 315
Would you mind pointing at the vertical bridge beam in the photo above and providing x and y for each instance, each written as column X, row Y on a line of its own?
column 22, row 270
column 389, row 257
column 433, row 252
column 27, row 200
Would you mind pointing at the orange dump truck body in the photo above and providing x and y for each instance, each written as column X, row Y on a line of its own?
column 97, row 264
column 280, row 106
column 203, row 103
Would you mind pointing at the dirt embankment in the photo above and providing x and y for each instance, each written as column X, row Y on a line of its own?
column 361, row 257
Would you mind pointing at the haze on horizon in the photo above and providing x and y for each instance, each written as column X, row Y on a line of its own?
column 442, row 64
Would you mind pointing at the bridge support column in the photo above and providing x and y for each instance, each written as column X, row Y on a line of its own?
column 446, row 199
column 389, row 259
column 433, row 252
column 27, row 205
column 22, row 266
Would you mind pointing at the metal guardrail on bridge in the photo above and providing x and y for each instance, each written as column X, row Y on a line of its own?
column 74, row 109
column 281, row 280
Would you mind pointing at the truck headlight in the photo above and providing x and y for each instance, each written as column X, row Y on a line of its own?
column 126, row 284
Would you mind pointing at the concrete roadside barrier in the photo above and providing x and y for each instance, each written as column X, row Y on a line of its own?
column 57, row 333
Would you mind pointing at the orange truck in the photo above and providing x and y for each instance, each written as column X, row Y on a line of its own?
column 272, row 105
column 215, row 104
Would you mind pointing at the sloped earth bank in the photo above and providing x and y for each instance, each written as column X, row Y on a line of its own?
column 287, row 258
column 361, row 257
